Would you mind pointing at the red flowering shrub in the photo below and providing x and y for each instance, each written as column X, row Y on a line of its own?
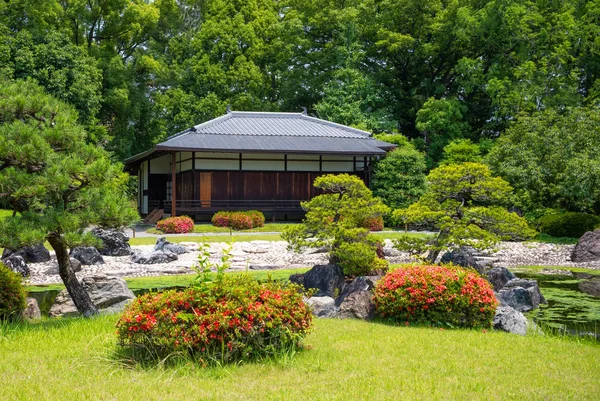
column 436, row 295
column 373, row 223
column 176, row 225
column 239, row 220
column 231, row 319
column 12, row 294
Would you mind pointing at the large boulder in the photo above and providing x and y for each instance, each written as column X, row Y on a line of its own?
column 587, row 248
column 322, row 306
column 165, row 246
column 355, row 300
column 75, row 266
column 32, row 254
column 326, row 279
column 114, row 243
column 591, row 286
column 462, row 257
column 154, row 257
column 17, row 264
column 109, row 294
column 509, row 320
column 521, row 294
column 498, row 277
column 87, row 255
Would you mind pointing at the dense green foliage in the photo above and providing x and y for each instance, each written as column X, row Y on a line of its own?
column 235, row 318
column 461, row 151
column 436, row 295
column 12, row 294
column 432, row 70
column 334, row 220
column 399, row 178
column 570, row 224
column 54, row 177
column 465, row 202
column 552, row 159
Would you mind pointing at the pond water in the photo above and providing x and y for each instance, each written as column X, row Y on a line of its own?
column 569, row 309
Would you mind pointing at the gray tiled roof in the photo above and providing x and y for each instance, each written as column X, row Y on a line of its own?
column 273, row 133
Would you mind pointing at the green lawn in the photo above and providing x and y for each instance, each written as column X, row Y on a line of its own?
column 72, row 359
column 554, row 240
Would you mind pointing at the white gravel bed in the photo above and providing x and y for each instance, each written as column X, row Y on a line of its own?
column 272, row 255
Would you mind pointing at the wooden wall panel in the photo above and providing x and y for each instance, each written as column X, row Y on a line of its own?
column 236, row 185
column 253, row 185
column 220, row 185
column 269, row 185
column 286, row 186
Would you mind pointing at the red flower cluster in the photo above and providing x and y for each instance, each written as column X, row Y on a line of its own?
column 233, row 319
column 176, row 225
column 436, row 295
column 373, row 223
column 239, row 220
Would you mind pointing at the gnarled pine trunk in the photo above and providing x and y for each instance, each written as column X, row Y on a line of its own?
column 78, row 294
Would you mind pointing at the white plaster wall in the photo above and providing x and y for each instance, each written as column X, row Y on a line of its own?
column 338, row 163
column 270, row 165
column 161, row 165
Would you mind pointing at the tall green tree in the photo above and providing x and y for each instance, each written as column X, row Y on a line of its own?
column 56, row 182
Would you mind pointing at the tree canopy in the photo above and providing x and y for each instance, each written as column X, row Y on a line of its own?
column 55, row 179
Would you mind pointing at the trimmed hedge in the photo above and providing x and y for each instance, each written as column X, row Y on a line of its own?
column 436, row 295
column 236, row 318
column 176, row 225
column 239, row 220
column 568, row 224
column 12, row 294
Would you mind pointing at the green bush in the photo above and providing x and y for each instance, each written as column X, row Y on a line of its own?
column 569, row 224
column 438, row 295
column 239, row 220
column 232, row 319
column 12, row 294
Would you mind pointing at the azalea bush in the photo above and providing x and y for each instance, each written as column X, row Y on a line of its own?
column 12, row 294
column 239, row 220
column 373, row 223
column 234, row 318
column 438, row 295
column 176, row 225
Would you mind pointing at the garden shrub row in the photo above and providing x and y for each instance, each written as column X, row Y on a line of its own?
column 176, row 225
column 12, row 294
column 568, row 224
column 239, row 220
column 233, row 319
column 436, row 295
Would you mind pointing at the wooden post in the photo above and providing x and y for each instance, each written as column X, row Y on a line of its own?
column 173, row 184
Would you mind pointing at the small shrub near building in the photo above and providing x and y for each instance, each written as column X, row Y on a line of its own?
column 176, row 225
column 373, row 223
column 233, row 319
column 437, row 295
column 12, row 294
column 567, row 224
column 239, row 220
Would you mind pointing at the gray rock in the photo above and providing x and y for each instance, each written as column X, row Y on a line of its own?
column 17, row 264
column 32, row 254
column 509, row 320
column 462, row 257
column 75, row 265
column 322, row 306
column 32, row 310
column 109, row 294
column 591, row 287
column 521, row 294
column 587, row 248
column 391, row 252
column 153, row 257
column 297, row 279
column 87, row 255
column 114, row 243
column 326, row 279
column 165, row 246
column 355, row 300
column 498, row 277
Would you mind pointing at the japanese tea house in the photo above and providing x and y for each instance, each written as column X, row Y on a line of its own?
column 249, row 160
